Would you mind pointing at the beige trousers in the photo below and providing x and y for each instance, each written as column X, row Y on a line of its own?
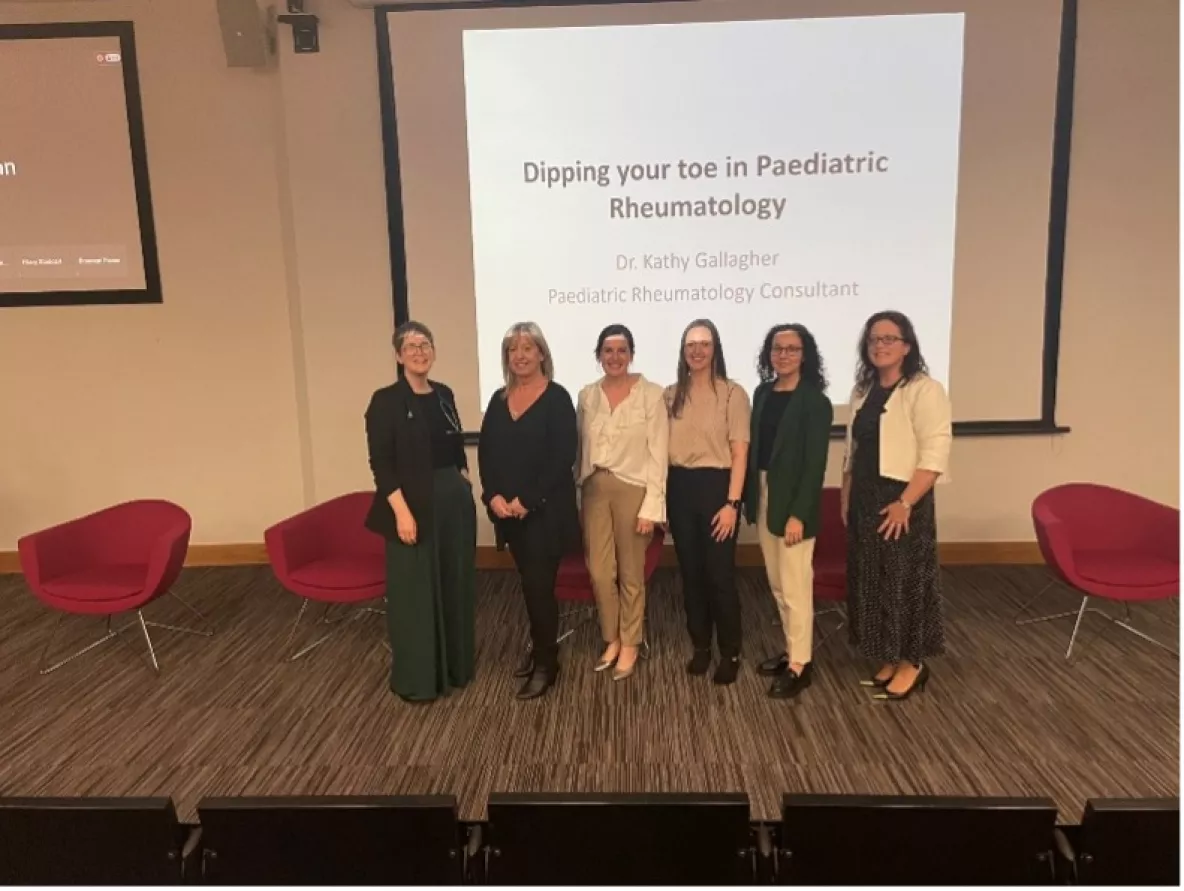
column 616, row 556
column 791, row 576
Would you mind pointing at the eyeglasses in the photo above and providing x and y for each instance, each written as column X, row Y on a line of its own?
column 884, row 340
column 787, row 350
column 421, row 348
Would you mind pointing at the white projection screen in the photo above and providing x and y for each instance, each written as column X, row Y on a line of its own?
column 748, row 161
column 75, row 210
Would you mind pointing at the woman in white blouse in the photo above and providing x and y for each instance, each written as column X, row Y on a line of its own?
column 622, row 477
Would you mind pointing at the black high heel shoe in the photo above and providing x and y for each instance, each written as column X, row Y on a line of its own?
column 874, row 681
column 918, row 685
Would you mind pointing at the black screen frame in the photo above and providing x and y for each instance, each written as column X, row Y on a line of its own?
column 152, row 292
column 1044, row 425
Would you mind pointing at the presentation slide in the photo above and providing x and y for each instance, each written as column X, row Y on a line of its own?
column 751, row 172
column 70, row 219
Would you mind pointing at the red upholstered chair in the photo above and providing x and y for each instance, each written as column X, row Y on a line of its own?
column 114, row 561
column 830, row 562
column 327, row 555
column 1107, row 544
column 573, row 585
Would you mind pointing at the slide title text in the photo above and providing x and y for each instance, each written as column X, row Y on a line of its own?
column 761, row 207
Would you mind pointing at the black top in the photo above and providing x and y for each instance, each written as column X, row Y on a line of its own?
column 771, row 416
column 533, row 459
column 865, row 432
column 402, row 453
column 448, row 446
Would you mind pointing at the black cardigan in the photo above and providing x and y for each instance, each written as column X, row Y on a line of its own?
column 533, row 459
column 400, row 446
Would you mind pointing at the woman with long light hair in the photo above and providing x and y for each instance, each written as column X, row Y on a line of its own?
column 709, row 417
column 527, row 456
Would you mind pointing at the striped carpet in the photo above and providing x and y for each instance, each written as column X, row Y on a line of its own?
column 1004, row 714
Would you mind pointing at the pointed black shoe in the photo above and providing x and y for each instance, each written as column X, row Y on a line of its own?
column 788, row 685
column 918, row 685
column 700, row 662
column 539, row 682
column 774, row 666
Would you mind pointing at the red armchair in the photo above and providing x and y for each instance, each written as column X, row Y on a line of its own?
column 327, row 555
column 1107, row 544
column 830, row 561
column 113, row 561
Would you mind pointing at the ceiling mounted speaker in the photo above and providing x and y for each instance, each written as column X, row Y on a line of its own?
column 247, row 33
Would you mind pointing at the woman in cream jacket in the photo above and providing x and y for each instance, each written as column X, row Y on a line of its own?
column 621, row 472
column 898, row 444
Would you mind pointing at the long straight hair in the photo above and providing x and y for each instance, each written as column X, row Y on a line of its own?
column 719, row 368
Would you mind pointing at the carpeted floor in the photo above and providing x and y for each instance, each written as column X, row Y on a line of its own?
column 1004, row 713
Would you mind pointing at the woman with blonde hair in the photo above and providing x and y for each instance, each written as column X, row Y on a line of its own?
column 527, row 455
column 623, row 433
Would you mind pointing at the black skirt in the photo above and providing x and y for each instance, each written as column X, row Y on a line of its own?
column 894, row 603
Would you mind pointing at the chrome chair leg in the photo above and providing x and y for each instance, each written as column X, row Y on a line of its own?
column 1085, row 607
column 829, row 611
column 337, row 623
column 41, row 666
column 200, row 617
column 148, row 640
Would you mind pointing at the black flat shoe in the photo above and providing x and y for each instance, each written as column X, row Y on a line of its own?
column 726, row 671
column 774, row 666
column 526, row 666
column 539, row 682
column 700, row 662
column 919, row 683
column 788, row 685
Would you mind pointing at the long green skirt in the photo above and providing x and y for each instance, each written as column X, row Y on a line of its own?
column 431, row 596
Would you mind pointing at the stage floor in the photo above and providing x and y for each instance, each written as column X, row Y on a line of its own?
column 1004, row 713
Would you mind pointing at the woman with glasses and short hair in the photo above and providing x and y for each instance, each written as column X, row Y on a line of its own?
column 898, row 444
column 423, row 507
column 791, row 422
column 709, row 416
column 526, row 458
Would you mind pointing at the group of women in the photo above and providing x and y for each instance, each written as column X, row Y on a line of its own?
column 599, row 473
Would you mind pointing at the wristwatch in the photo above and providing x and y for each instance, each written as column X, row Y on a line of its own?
column 736, row 504
column 907, row 506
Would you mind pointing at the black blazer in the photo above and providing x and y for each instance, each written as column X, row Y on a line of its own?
column 400, row 446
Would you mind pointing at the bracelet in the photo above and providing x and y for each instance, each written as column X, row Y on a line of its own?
column 907, row 506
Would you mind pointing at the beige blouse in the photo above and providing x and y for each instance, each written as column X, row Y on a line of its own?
column 629, row 442
column 703, row 435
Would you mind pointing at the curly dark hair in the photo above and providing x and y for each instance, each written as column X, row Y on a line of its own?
column 719, row 368
column 813, row 369
column 866, row 374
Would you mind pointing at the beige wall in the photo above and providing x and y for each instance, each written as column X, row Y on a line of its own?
column 242, row 396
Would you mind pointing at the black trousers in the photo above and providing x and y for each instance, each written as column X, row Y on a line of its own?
column 532, row 544
column 708, row 567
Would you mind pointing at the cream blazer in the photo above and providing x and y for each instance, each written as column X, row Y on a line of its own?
column 915, row 430
column 631, row 443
